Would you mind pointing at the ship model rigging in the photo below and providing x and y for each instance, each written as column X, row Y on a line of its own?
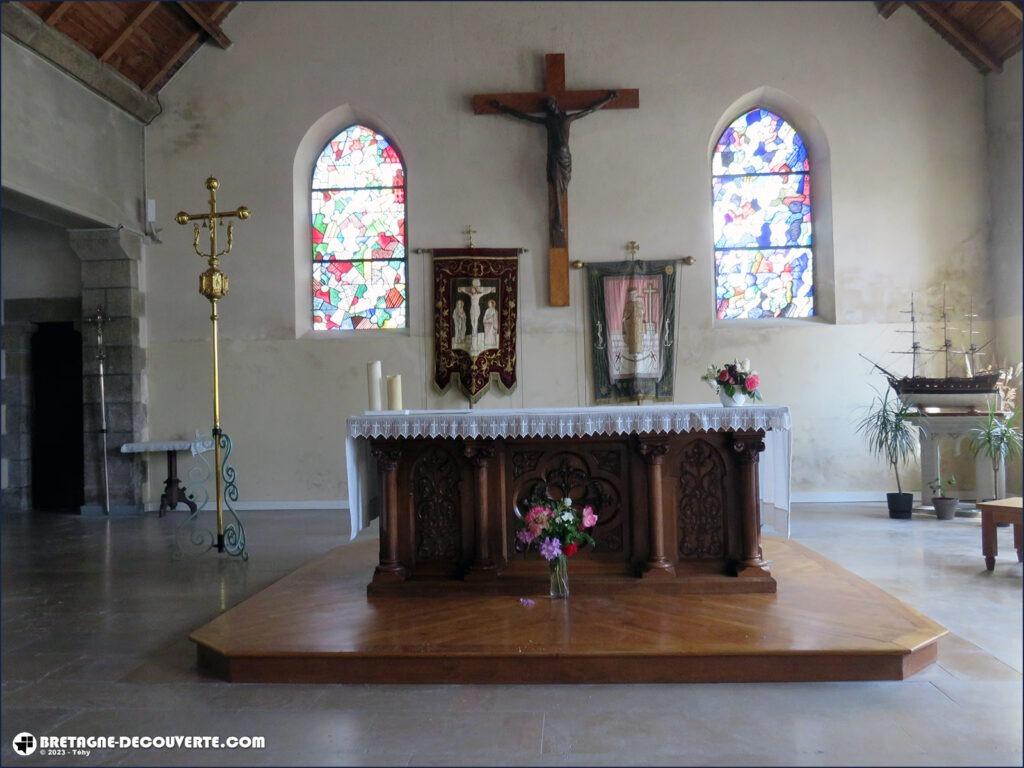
column 974, row 381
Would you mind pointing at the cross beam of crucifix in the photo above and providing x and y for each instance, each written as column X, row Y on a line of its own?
column 556, row 104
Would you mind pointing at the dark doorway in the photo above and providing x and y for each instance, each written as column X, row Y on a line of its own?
column 58, row 461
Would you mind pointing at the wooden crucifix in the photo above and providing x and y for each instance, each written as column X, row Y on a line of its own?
column 552, row 108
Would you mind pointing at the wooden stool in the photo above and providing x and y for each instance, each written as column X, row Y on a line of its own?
column 1002, row 511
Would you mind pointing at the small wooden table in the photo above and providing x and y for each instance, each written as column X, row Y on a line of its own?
column 1001, row 511
column 174, row 492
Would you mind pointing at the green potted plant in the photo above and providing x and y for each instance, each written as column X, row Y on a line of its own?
column 945, row 506
column 891, row 437
column 998, row 439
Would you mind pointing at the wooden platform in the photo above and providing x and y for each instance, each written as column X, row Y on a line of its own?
column 318, row 625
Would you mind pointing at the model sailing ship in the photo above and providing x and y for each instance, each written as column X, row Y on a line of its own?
column 972, row 388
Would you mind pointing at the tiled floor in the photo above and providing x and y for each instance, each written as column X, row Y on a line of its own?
column 96, row 615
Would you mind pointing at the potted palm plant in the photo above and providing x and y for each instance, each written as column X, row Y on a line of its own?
column 891, row 437
column 998, row 439
column 945, row 506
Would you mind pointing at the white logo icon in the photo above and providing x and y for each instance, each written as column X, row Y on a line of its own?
column 25, row 744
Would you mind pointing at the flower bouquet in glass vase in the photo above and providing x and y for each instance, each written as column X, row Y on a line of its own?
column 558, row 530
column 734, row 382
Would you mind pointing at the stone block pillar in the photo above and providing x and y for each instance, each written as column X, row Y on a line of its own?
column 16, row 441
column 110, row 279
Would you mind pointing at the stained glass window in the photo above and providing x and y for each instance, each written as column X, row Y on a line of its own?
column 761, row 201
column 358, row 233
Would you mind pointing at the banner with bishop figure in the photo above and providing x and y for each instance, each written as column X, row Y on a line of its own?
column 475, row 302
column 632, row 329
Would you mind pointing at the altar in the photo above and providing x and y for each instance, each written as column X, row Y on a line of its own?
column 677, row 490
column 680, row 587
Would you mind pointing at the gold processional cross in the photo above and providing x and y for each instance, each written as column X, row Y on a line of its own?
column 213, row 285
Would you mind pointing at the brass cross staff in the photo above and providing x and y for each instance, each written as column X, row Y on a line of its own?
column 213, row 284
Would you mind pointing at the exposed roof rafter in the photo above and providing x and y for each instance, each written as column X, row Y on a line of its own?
column 207, row 24
column 144, row 42
column 984, row 33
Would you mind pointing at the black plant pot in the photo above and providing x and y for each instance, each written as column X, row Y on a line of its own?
column 901, row 505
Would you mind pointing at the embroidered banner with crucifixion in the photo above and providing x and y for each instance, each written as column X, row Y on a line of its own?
column 475, row 302
column 632, row 329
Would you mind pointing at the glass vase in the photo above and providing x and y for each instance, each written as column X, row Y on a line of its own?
column 559, row 578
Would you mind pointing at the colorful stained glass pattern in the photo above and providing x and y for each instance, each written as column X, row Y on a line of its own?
column 762, row 211
column 358, row 236
column 359, row 224
column 769, row 283
column 359, row 295
column 759, row 142
column 357, row 158
column 761, row 202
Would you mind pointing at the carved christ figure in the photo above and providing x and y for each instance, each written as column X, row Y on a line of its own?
column 474, row 291
column 559, row 168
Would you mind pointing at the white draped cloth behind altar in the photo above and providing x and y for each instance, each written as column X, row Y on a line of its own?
column 775, row 463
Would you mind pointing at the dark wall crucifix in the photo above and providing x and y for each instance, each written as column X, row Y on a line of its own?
column 556, row 108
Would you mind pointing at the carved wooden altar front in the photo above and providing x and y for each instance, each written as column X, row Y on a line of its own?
column 677, row 512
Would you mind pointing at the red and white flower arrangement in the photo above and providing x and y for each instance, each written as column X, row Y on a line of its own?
column 734, row 378
column 558, row 530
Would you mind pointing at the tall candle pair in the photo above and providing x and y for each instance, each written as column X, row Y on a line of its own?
column 373, row 381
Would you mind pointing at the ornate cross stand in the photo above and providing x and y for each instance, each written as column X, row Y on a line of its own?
column 213, row 284
column 98, row 319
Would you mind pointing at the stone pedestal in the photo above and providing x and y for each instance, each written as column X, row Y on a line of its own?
column 932, row 429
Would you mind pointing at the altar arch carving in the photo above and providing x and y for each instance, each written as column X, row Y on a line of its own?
column 702, row 500
column 435, row 482
column 561, row 473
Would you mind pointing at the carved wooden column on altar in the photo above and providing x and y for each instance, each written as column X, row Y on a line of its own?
column 389, row 568
column 658, row 564
column 479, row 455
column 747, row 451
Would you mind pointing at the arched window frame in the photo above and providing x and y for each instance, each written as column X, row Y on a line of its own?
column 805, row 122
column 312, row 190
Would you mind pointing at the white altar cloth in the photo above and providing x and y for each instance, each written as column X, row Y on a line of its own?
column 775, row 463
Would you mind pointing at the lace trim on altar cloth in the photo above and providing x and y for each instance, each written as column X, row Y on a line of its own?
column 570, row 422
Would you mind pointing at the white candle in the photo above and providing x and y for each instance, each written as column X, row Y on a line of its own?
column 395, row 392
column 373, row 384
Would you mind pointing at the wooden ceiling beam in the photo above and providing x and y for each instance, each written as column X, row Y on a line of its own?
column 157, row 79
column 931, row 12
column 128, row 31
column 206, row 23
column 887, row 8
column 54, row 16
column 190, row 43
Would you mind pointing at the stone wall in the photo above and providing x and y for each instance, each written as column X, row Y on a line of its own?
column 110, row 281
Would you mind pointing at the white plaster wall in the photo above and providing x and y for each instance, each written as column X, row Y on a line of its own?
column 65, row 145
column 902, row 111
column 37, row 261
column 1003, row 121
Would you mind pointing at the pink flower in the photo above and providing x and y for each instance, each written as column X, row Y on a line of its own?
column 526, row 536
column 723, row 375
column 535, row 529
column 752, row 383
column 589, row 518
